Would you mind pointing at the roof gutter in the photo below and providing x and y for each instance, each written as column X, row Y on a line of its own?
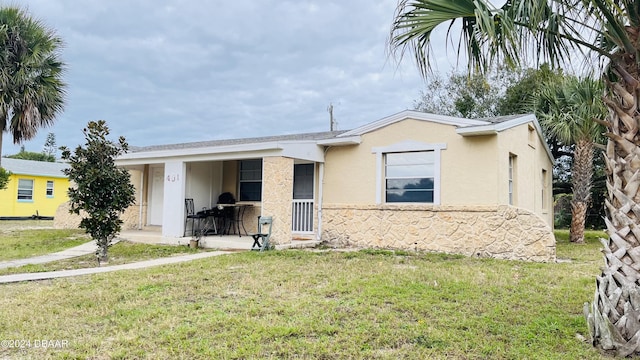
column 349, row 140
column 199, row 151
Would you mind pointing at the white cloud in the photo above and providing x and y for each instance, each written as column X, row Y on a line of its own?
column 179, row 71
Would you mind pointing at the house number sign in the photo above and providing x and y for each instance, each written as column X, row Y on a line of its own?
column 173, row 177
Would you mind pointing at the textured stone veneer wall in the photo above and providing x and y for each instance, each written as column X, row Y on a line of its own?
column 277, row 192
column 502, row 232
column 65, row 220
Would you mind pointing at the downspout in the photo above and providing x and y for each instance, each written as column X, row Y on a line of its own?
column 320, row 195
column 140, row 199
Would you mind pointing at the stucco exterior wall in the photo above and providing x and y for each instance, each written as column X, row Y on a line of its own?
column 230, row 177
column 41, row 204
column 474, row 170
column 502, row 232
column 531, row 158
column 277, row 190
column 468, row 174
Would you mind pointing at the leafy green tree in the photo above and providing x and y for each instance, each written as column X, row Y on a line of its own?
column 31, row 87
column 461, row 95
column 50, row 147
column 30, row 155
column 102, row 190
column 4, row 178
column 494, row 94
column 567, row 113
column 558, row 32
column 519, row 94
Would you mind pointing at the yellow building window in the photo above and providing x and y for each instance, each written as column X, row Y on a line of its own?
column 25, row 190
column 49, row 188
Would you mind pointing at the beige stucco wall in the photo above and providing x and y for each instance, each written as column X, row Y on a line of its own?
column 474, row 169
column 502, row 232
column 230, row 177
column 466, row 172
column 524, row 142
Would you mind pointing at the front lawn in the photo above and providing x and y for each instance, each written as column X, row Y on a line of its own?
column 316, row 305
column 123, row 252
column 23, row 239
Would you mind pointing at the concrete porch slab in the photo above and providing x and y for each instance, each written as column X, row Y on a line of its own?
column 224, row 242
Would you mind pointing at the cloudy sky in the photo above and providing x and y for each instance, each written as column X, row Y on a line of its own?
column 172, row 71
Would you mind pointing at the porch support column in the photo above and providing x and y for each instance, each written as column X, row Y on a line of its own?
column 277, row 196
column 173, row 211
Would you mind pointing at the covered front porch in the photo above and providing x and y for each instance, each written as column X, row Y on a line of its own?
column 267, row 176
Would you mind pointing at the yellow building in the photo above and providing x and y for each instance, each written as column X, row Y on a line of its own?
column 35, row 188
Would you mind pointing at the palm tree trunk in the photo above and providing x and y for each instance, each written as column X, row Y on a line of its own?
column 614, row 315
column 578, row 219
column 582, row 171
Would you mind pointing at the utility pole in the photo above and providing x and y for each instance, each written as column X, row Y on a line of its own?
column 333, row 125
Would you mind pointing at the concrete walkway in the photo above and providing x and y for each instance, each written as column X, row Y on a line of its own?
column 84, row 249
column 231, row 243
column 76, row 272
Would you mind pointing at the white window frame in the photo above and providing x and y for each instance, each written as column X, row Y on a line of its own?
column 544, row 176
column 50, row 188
column 31, row 188
column 407, row 146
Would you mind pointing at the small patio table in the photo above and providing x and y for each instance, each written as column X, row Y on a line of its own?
column 238, row 215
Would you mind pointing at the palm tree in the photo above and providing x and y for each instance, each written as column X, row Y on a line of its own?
column 31, row 87
column 557, row 31
column 567, row 110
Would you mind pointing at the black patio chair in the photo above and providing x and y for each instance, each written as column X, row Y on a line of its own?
column 193, row 216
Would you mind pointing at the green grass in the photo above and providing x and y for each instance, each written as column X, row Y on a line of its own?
column 123, row 252
column 23, row 239
column 316, row 305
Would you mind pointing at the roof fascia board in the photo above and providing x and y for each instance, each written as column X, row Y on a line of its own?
column 306, row 150
column 172, row 153
column 416, row 115
column 341, row 141
column 496, row 128
column 200, row 157
column 39, row 174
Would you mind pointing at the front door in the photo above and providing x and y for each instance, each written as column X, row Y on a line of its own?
column 303, row 176
column 156, row 198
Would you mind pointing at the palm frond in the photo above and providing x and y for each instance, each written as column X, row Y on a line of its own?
column 31, row 88
column 551, row 31
column 570, row 107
